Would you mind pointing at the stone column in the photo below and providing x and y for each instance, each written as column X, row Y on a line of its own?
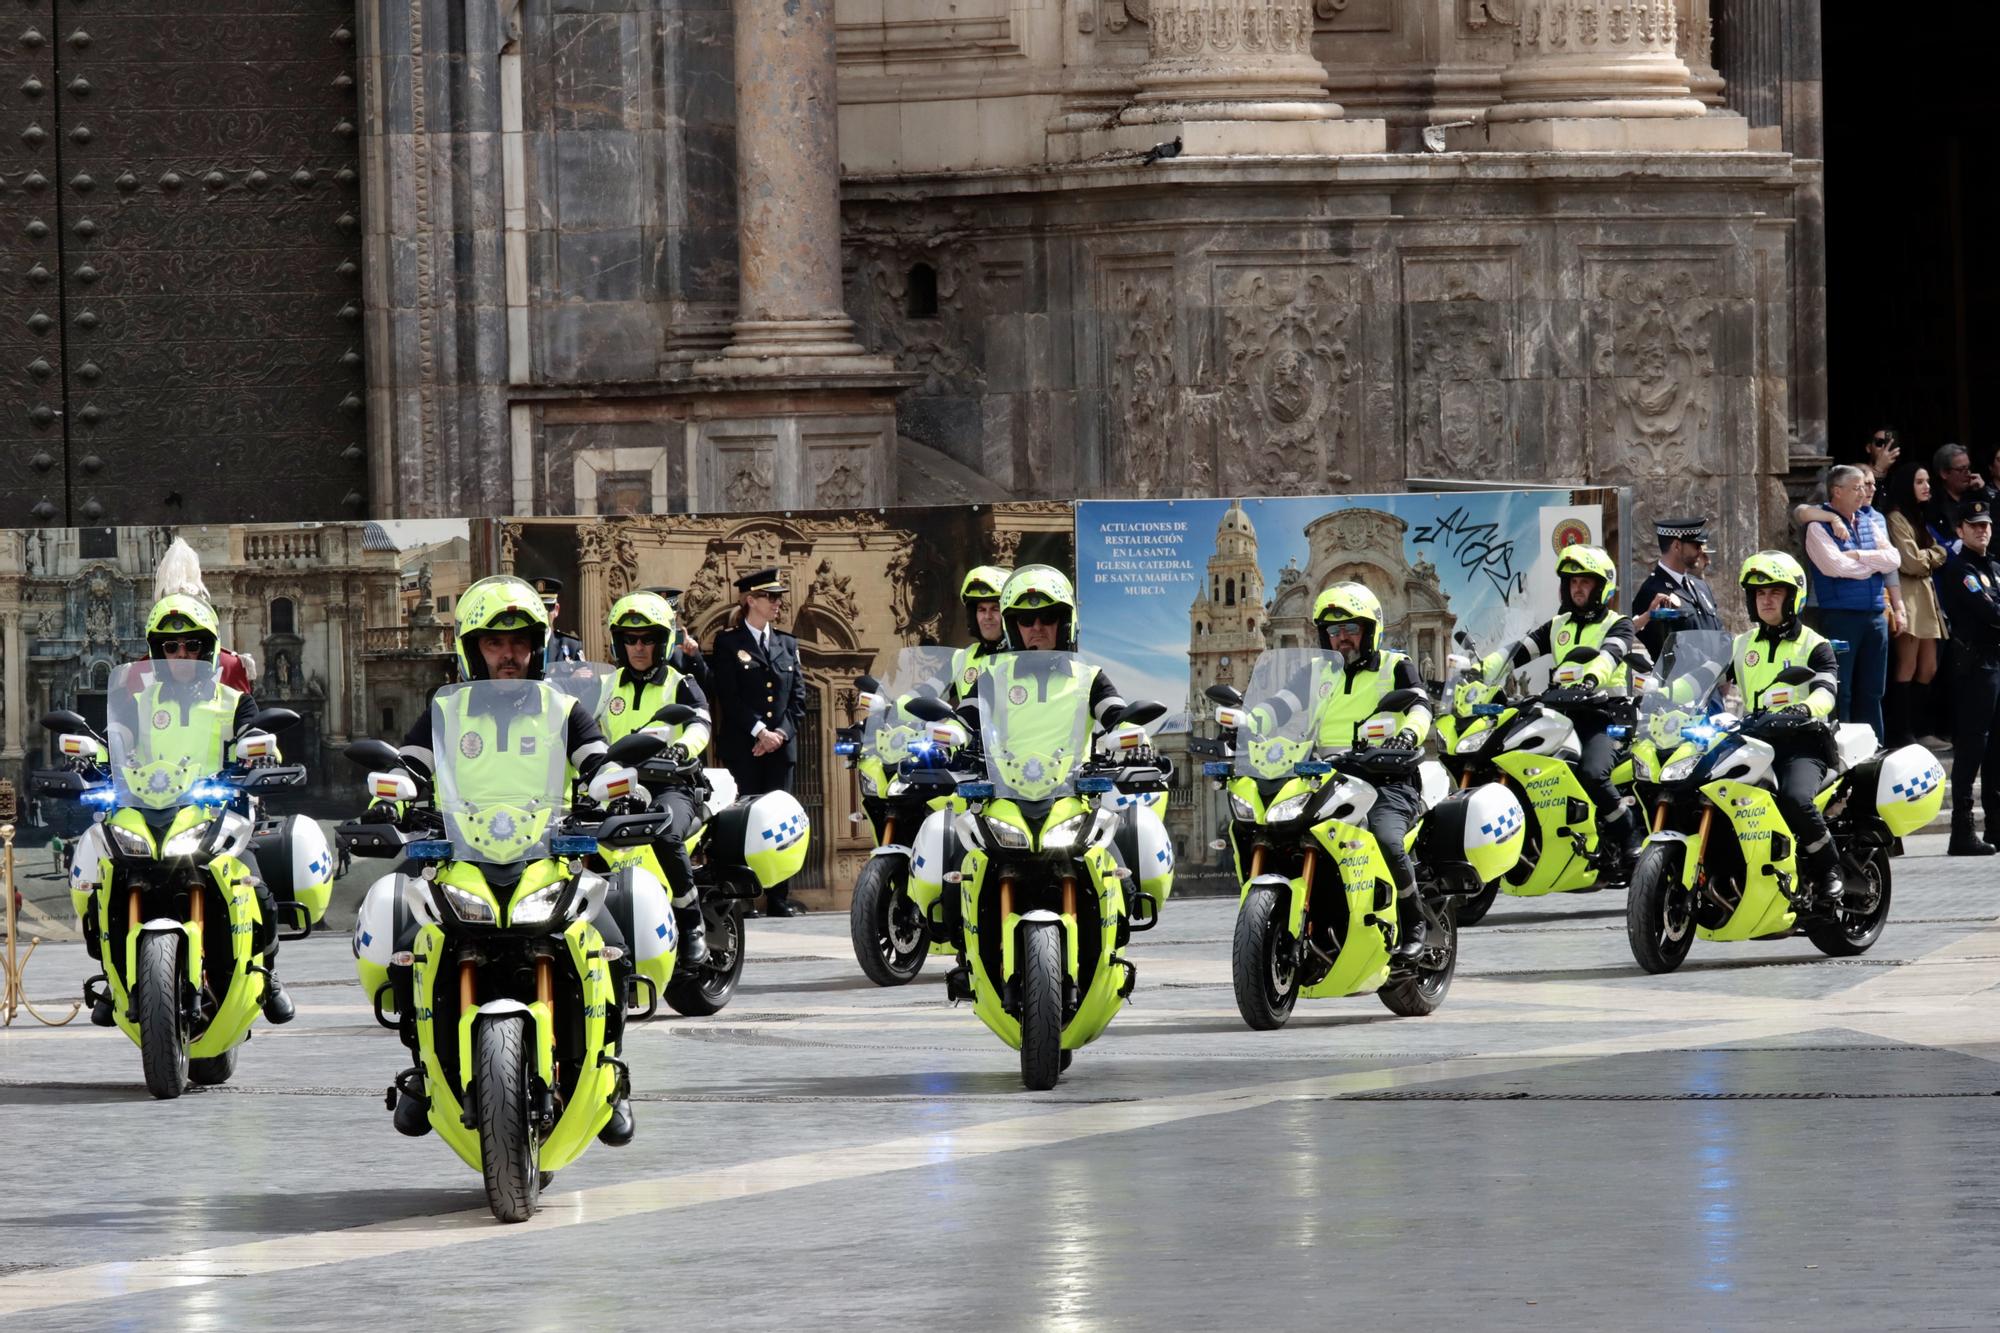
column 593, row 552
column 1237, row 77
column 790, row 318
column 1694, row 42
column 16, row 700
column 1602, row 75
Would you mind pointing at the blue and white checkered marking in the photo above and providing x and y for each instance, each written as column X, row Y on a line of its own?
column 321, row 867
column 367, row 939
column 1505, row 827
column 1921, row 785
column 786, row 831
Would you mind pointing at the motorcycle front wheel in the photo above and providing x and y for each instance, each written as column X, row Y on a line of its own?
column 156, row 995
column 507, row 1147
column 891, row 936
column 1041, row 1005
column 1263, row 963
column 1659, row 914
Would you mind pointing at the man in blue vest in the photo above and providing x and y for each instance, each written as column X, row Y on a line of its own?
column 1850, row 578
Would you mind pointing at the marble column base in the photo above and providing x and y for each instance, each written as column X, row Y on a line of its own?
column 1231, row 138
column 794, row 347
column 1713, row 133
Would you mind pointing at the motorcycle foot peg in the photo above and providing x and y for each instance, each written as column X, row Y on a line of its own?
column 958, row 984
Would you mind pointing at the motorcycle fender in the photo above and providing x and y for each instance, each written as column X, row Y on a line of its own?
column 589, row 1107
column 1688, row 867
column 446, row 1109
column 1753, row 816
column 537, row 1013
column 889, row 849
column 244, row 998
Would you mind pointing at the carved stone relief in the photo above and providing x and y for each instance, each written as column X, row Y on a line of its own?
column 1653, row 390
column 1288, row 389
column 1458, row 322
column 879, row 301
column 1141, row 375
column 750, row 478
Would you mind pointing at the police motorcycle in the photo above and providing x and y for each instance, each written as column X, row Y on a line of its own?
column 165, row 881
column 739, row 848
column 896, row 758
column 1043, row 895
column 485, row 952
column 1528, row 743
column 1296, row 808
column 1738, row 877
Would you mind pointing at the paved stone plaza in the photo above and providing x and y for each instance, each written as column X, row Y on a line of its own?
column 1767, row 1138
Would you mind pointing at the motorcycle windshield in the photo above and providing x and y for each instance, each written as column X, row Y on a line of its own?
column 1280, row 724
column 591, row 684
column 502, row 773
column 888, row 731
column 168, row 722
column 1687, row 682
column 1034, row 717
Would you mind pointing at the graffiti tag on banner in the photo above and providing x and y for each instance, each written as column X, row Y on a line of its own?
column 1179, row 595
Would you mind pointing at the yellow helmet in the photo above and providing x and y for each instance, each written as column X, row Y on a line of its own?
column 501, row 603
column 641, row 611
column 1348, row 601
column 1035, row 588
column 983, row 583
column 1773, row 569
column 1588, row 562
column 182, row 615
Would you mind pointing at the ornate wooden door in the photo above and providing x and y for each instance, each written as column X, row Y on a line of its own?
column 180, row 262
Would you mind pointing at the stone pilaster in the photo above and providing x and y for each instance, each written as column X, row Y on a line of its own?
column 1602, row 75
column 790, row 319
column 1694, row 43
column 1235, row 78
column 15, row 703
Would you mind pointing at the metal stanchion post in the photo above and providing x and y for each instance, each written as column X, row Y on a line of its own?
column 13, row 998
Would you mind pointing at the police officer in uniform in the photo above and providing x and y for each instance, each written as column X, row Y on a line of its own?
column 1969, row 588
column 760, row 701
column 1675, row 584
column 981, row 594
column 562, row 647
column 686, row 656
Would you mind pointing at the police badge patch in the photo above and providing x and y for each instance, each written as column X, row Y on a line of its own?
column 470, row 745
column 1018, row 695
column 972, row 675
column 1751, row 658
column 162, row 719
column 617, row 706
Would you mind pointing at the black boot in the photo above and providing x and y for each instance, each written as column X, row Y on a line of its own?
column 1411, row 928
column 1896, row 714
column 694, row 935
column 778, row 902
column 1992, row 834
column 617, row 1132
column 413, row 1115
column 1965, row 840
column 278, row 1007
column 100, row 1014
column 958, row 982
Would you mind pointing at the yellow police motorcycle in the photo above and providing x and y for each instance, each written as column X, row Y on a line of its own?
column 1297, row 810
column 162, row 882
column 1736, row 876
column 1528, row 743
column 1042, row 894
column 898, row 761
column 506, row 990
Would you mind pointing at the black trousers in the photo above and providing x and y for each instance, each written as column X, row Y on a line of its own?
column 1800, row 775
column 754, row 777
column 1593, row 770
column 1397, row 805
column 1975, row 746
column 671, row 847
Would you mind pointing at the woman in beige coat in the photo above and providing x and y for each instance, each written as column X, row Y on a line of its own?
column 1914, row 652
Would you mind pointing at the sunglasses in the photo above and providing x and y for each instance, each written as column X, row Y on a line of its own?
column 1345, row 627
column 196, row 646
column 640, row 636
column 1030, row 619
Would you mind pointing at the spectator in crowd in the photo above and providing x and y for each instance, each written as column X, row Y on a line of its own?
column 1850, row 577
column 1969, row 587
column 1954, row 483
column 1914, row 652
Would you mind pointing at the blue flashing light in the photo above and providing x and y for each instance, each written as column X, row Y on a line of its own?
column 922, row 748
column 573, row 844
column 101, row 797
column 1312, row 768
column 431, row 849
column 976, row 791
column 847, row 747
column 1618, row 733
column 1699, row 731
column 210, row 791
column 1094, row 786
column 1487, row 710
column 1216, row 768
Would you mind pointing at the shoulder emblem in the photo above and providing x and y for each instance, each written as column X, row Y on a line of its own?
column 470, row 745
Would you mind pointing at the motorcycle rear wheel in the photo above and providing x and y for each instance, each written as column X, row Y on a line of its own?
column 1041, row 1005
column 156, row 995
column 1475, row 908
column 1853, row 933
column 1659, row 916
column 507, row 1146
column 1420, row 994
column 890, row 951
column 701, row 991
column 210, row 1070
column 1263, row 963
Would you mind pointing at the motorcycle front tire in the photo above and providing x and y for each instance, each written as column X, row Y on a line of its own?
column 879, row 893
column 507, row 1147
column 157, row 998
column 1042, row 977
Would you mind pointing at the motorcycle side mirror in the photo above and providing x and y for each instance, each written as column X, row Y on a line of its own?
column 62, row 719
column 272, row 719
column 930, row 710
column 1401, row 701
column 1581, row 655
column 638, row 747
column 1140, row 712
column 373, row 754
column 1795, row 674
column 867, row 685
column 1226, row 695
column 675, row 715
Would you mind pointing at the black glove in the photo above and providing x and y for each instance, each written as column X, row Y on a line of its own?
column 677, row 755
column 1796, row 710
column 1589, row 682
column 1405, row 739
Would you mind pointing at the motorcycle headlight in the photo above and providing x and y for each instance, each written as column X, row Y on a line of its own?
column 1288, row 809
column 187, row 842
column 869, row 786
column 537, row 909
column 898, row 787
column 128, row 842
column 1007, row 835
column 1064, row 834
column 1680, row 769
column 1241, row 808
column 467, row 907
column 1471, row 744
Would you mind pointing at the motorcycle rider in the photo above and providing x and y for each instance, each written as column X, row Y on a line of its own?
column 643, row 633
column 500, row 632
column 980, row 592
column 1587, row 589
column 1774, row 587
column 184, row 628
column 1348, row 618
